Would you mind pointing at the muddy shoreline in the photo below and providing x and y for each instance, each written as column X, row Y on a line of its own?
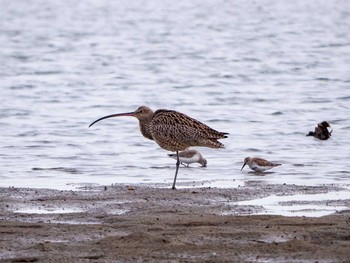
column 137, row 223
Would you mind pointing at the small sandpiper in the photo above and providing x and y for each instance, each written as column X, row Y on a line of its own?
column 190, row 156
column 258, row 164
column 321, row 132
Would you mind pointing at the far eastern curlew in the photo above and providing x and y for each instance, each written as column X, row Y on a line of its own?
column 173, row 131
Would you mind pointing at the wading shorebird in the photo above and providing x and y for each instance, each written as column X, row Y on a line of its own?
column 258, row 164
column 321, row 132
column 173, row 131
column 189, row 156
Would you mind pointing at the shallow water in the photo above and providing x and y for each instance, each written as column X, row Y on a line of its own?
column 51, row 210
column 315, row 205
column 265, row 71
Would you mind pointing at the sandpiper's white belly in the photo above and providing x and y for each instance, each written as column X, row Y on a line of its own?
column 259, row 168
column 193, row 159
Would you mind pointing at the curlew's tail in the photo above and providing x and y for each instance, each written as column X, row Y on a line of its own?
column 212, row 143
column 217, row 135
column 211, row 139
column 214, row 140
column 224, row 135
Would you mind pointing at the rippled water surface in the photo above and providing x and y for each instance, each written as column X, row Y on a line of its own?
column 265, row 71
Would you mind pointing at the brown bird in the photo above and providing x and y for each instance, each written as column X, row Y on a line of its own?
column 173, row 131
column 258, row 164
column 321, row 132
column 190, row 156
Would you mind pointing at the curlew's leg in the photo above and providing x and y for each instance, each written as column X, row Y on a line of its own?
column 177, row 168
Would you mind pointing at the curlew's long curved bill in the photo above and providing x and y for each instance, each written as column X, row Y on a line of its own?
column 243, row 166
column 113, row 115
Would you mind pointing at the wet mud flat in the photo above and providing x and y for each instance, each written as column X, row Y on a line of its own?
column 146, row 224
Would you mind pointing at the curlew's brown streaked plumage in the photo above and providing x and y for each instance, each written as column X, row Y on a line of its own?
column 173, row 130
column 321, row 131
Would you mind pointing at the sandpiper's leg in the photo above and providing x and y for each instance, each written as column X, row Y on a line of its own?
column 177, row 168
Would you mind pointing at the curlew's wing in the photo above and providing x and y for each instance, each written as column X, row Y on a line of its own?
column 175, row 131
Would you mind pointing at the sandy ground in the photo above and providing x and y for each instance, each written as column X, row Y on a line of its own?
column 143, row 224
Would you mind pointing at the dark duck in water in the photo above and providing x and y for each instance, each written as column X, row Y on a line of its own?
column 321, row 131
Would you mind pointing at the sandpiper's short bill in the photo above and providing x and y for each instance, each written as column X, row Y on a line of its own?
column 190, row 156
column 258, row 164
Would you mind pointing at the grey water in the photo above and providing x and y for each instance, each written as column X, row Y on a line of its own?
column 265, row 71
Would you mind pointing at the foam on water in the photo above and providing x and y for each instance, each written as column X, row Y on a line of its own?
column 300, row 204
column 47, row 210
